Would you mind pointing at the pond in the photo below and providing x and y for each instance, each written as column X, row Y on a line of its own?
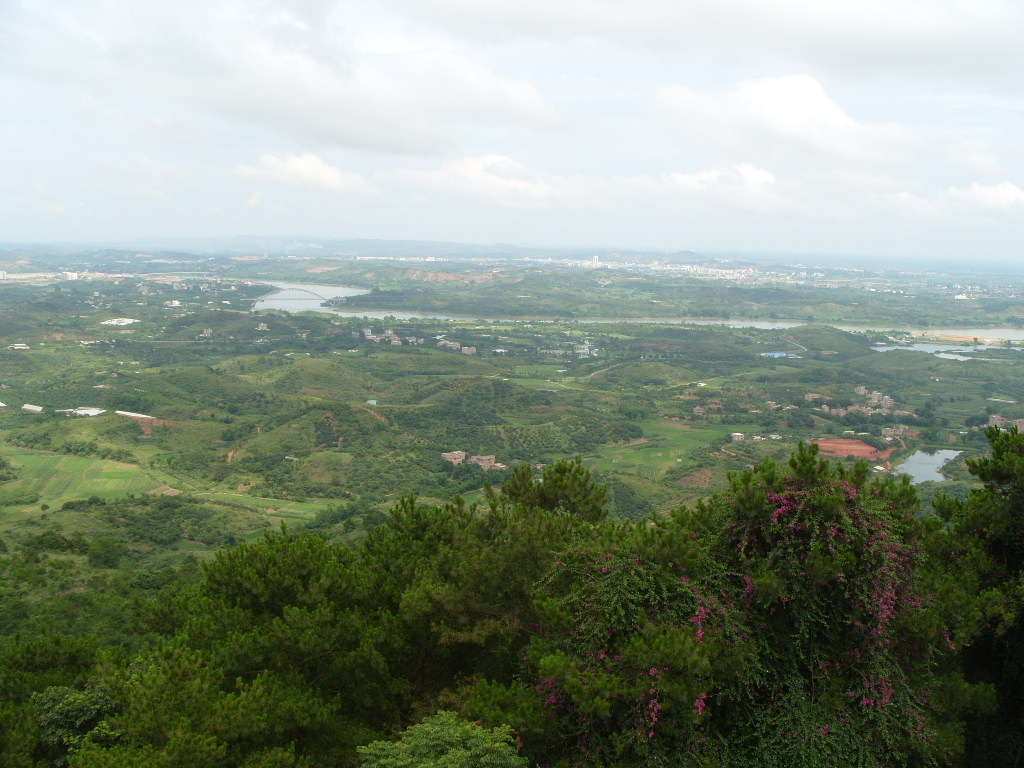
column 923, row 466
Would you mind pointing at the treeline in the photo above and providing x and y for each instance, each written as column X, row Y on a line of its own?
column 807, row 616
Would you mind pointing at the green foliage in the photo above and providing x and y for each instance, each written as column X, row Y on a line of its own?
column 987, row 550
column 566, row 486
column 7, row 472
column 827, row 568
column 444, row 740
column 782, row 623
column 105, row 552
column 67, row 716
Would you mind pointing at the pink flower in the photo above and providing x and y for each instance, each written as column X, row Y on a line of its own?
column 700, row 703
column 949, row 642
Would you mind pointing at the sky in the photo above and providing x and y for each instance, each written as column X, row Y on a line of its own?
column 877, row 127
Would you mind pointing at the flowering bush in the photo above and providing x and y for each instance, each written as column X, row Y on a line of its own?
column 782, row 623
column 826, row 568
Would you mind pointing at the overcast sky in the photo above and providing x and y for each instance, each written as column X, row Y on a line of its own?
column 830, row 126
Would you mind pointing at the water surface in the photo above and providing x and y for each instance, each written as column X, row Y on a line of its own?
column 924, row 465
column 337, row 291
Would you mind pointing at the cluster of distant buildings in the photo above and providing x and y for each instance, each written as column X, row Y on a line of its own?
column 26, row 276
column 739, row 437
column 484, row 462
column 995, row 420
column 388, row 336
column 458, row 347
column 877, row 402
column 582, row 351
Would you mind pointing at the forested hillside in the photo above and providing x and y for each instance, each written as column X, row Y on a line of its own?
column 806, row 616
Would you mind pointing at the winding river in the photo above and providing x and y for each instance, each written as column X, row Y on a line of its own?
column 272, row 301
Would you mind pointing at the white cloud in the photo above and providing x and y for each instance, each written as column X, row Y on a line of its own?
column 494, row 177
column 36, row 204
column 464, row 88
column 740, row 187
column 976, row 158
column 790, row 117
column 1002, row 197
column 910, row 35
column 298, row 71
column 306, row 170
column 737, row 176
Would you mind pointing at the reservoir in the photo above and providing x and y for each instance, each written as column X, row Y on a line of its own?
column 923, row 466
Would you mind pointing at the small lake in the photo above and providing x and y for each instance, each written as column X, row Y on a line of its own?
column 923, row 466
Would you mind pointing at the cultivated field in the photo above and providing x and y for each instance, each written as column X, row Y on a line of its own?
column 841, row 448
column 57, row 478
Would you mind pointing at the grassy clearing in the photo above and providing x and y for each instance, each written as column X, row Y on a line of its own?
column 551, row 369
column 57, row 478
column 541, row 384
column 664, row 444
column 275, row 510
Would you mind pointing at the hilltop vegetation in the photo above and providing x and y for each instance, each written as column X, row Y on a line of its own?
column 806, row 617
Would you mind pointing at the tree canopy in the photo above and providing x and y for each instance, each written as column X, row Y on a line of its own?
column 806, row 616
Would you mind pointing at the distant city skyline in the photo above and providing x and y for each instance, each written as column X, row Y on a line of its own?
column 803, row 126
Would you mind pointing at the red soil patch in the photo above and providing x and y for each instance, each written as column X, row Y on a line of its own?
column 148, row 424
column 699, row 479
column 843, row 448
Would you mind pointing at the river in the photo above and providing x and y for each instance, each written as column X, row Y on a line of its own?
column 339, row 291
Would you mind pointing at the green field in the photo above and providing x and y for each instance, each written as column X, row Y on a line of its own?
column 277, row 511
column 664, row 443
column 57, row 478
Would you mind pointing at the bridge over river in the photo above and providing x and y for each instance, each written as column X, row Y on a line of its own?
column 296, row 294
